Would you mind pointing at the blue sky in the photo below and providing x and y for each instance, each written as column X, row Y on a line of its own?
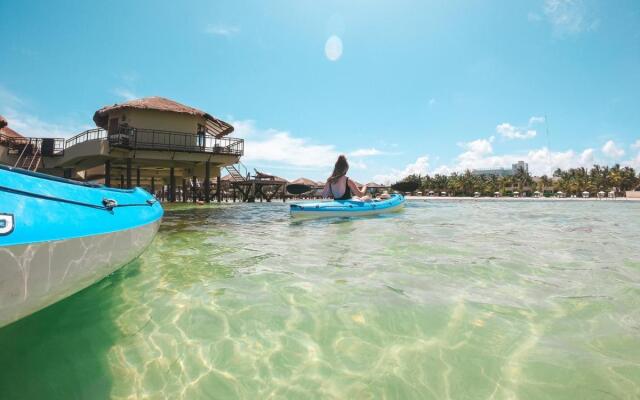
column 398, row 86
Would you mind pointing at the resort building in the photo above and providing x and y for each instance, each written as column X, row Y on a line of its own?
column 502, row 171
column 151, row 142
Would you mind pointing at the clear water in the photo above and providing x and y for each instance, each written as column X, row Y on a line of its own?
column 447, row 300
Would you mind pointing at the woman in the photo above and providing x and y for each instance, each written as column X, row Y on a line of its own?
column 339, row 186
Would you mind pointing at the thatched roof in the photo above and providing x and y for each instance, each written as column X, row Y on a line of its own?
column 226, row 178
column 268, row 177
column 373, row 185
column 10, row 132
column 5, row 130
column 306, row 181
column 215, row 126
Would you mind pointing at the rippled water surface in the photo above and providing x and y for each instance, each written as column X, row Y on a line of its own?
column 446, row 300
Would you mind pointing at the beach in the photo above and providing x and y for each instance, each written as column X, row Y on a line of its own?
column 505, row 198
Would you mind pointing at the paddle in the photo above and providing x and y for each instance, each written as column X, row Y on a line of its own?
column 298, row 188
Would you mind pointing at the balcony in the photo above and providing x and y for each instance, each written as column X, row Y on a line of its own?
column 47, row 147
column 151, row 139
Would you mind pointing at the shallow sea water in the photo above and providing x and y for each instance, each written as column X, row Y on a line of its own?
column 445, row 300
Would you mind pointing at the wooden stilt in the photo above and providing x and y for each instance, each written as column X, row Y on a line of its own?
column 193, row 189
column 172, row 185
column 207, row 182
column 219, row 188
column 107, row 173
column 128, row 173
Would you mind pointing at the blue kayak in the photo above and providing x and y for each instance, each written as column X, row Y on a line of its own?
column 347, row 208
column 59, row 236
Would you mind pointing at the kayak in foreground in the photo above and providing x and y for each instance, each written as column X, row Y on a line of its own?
column 347, row 208
column 59, row 236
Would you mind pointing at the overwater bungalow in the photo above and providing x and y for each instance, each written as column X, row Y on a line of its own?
column 146, row 142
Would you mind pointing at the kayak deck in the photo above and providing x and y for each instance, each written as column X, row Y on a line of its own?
column 347, row 208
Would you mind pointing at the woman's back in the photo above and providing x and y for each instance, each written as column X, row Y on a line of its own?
column 337, row 189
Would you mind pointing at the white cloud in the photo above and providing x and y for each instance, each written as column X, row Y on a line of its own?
column 477, row 147
column 610, row 149
column 636, row 145
column 32, row 126
column 221, row 30
column 13, row 108
column 511, row 132
column 365, row 152
column 479, row 154
column 536, row 120
column 126, row 94
column 634, row 163
column 419, row 167
column 243, row 129
column 280, row 147
column 568, row 16
column 587, row 158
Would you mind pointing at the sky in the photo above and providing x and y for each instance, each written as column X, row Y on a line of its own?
column 398, row 86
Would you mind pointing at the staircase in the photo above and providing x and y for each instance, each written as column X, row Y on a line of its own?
column 31, row 163
column 236, row 176
column 29, row 160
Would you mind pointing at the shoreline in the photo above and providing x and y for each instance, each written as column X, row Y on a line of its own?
column 444, row 198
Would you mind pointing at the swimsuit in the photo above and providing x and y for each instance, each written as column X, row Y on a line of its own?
column 347, row 191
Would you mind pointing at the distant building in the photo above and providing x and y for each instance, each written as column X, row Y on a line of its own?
column 502, row 171
column 518, row 165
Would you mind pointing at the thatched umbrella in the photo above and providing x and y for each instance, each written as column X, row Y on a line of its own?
column 215, row 126
column 305, row 181
column 373, row 185
column 267, row 177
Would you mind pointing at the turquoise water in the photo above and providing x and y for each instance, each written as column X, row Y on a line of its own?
column 446, row 300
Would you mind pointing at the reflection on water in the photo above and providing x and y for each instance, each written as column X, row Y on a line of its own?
column 447, row 299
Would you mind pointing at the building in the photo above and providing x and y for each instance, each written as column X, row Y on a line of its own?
column 502, row 171
column 148, row 142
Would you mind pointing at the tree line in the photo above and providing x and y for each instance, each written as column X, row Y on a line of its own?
column 571, row 181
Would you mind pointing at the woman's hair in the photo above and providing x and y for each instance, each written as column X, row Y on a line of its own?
column 340, row 169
